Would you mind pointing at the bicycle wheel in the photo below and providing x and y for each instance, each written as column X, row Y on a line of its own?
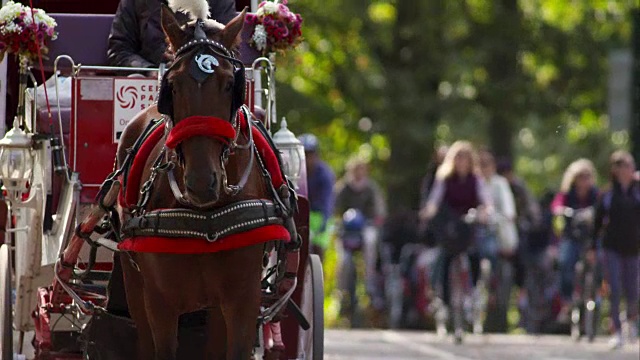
column 576, row 322
column 395, row 296
column 456, row 279
column 591, row 308
column 349, row 277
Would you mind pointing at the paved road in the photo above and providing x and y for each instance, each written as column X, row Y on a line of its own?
column 384, row 344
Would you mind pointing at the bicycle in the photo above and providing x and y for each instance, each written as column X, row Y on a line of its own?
column 351, row 237
column 468, row 304
column 356, row 235
column 409, row 287
column 585, row 313
column 586, row 298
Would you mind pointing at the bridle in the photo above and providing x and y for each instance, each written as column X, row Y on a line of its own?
column 225, row 131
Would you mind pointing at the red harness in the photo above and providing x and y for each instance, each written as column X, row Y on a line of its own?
column 201, row 126
column 215, row 128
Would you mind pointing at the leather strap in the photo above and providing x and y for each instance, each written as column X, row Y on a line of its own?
column 184, row 223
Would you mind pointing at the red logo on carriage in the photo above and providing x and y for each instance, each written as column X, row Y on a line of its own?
column 127, row 97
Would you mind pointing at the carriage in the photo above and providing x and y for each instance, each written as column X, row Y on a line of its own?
column 55, row 193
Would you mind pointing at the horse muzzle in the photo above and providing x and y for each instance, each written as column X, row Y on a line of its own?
column 202, row 190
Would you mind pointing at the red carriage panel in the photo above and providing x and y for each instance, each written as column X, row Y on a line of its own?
column 101, row 108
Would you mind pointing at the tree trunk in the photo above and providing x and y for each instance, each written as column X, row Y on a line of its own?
column 406, row 168
column 413, row 66
column 503, row 70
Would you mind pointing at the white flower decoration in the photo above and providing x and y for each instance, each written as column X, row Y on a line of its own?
column 260, row 37
column 270, row 7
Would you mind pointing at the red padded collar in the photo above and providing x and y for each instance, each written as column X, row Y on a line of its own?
column 200, row 126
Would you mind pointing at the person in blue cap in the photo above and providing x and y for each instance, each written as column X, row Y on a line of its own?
column 320, row 183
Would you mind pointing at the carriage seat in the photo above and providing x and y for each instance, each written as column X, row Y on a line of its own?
column 84, row 37
column 84, row 47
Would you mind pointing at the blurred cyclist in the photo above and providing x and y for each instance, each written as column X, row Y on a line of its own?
column 618, row 216
column 320, row 182
column 458, row 187
column 577, row 191
column 359, row 192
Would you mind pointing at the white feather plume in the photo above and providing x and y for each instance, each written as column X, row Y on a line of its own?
column 196, row 9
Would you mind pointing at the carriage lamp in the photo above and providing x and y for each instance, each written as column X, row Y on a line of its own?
column 292, row 151
column 16, row 160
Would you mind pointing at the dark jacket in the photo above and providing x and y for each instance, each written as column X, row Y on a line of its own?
column 137, row 39
column 527, row 208
column 369, row 200
column 618, row 215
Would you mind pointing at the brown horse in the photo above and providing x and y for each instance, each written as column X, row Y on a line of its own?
column 226, row 284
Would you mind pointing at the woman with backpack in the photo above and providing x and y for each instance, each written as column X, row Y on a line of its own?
column 618, row 220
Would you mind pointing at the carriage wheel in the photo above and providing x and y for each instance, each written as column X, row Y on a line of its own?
column 312, row 340
column 6, row 312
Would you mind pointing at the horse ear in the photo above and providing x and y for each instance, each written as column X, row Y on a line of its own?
column 171, row 27
column 231, row 33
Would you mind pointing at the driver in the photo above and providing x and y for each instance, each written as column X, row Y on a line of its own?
column 137, row 39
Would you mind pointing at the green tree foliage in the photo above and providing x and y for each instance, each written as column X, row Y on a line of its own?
column 387, row 79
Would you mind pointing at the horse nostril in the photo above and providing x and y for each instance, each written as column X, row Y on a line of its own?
column 190, row 185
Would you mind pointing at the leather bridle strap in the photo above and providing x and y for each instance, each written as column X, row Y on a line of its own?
column 234, row 190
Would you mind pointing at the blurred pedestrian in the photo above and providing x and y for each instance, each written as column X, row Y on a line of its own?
column 506, row 236
column 618, row 218
column 532, row 239
column 320, row 182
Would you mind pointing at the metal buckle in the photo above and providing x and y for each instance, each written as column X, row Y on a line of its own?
column 213, row 238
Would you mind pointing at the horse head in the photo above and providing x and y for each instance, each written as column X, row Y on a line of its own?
column 200, row 95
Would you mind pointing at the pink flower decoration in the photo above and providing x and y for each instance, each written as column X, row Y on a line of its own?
column 282, row 28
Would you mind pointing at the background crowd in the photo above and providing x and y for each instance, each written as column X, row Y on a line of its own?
column 542, row 239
